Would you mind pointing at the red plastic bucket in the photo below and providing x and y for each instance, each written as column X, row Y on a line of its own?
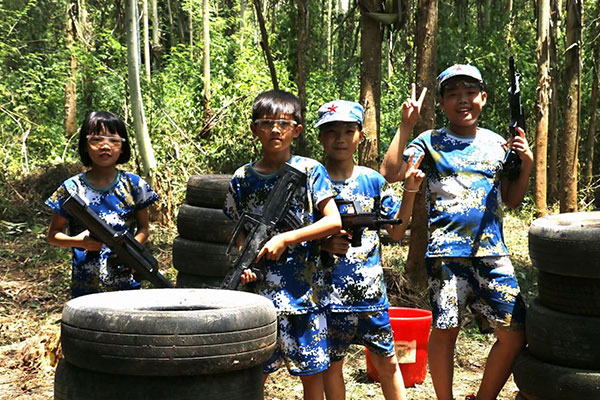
column 411, row 328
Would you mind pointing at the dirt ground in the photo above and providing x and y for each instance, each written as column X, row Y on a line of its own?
column 34, row 281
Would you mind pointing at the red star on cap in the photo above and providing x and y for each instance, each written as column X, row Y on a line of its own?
column 332, row 108
column 459, row 68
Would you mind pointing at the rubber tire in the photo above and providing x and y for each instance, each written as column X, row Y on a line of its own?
column 204, row 224
column 538, row 380
column 567, row 244
column 196, row 281
column 207, row 190
column 200, row 258
column 73, row 383
column 168, row 332
column 563, row 339
column 568, row 294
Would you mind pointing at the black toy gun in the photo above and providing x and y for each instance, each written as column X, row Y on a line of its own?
column 512, row 162
column 260, row 228
column 129, row 251
column 355, row 221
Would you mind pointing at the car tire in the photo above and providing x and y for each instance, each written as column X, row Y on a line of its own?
column 538, row 380
column 200, row 258
column 567, row 244
column 204, row 224
column 74, row 383
column 569, row 294
column 207, row 190
column 563, row 339
column 168, row 332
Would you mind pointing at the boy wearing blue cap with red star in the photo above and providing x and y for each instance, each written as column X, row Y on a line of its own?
column 358, row 304
column 467, row 262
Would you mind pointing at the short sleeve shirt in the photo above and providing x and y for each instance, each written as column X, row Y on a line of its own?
column 294, row 283
column 115, row 205
column 357, row 278
column 464, row 197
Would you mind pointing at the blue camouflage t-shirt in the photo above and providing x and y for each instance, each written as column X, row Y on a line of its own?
column 294, row 283
column 356, row 279
column 464, row 197
column 115, row 205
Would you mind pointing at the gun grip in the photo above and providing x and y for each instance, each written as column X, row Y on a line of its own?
column 356, row 240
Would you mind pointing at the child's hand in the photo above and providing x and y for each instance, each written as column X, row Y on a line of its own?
column 520, row 145
column 274, row 248
column 336, row 244
column 414, row 176
column 412, row 107
column 247, row 277
column 87, row 243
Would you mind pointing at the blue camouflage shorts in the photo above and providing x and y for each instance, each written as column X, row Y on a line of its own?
column 486, row 286
column 301, row 345
column 370, row 329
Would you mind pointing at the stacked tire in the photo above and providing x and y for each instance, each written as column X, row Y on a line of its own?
column 175, row 344
column 562, row 361
column 204, row 233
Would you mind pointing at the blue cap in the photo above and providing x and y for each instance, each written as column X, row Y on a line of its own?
column 459, row 70
column 340, row 111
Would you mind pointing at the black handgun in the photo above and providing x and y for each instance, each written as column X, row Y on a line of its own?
column 355, row 221
column 512, row 161
column 260, row 228
column 129, row 251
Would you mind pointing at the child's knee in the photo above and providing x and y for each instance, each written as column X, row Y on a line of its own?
column 386, row 366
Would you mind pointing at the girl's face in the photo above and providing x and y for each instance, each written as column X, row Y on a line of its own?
column 104, row 148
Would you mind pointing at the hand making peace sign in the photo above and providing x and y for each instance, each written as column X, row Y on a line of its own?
column 412, row 107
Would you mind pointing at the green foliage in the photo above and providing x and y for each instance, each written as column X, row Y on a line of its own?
column 192, row 134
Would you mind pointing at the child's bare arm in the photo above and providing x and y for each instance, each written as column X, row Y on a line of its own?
column 330, row 224
column 57, row 237
column 393, row 167
column 513, row 192
column 143, row 225
column 411, row 186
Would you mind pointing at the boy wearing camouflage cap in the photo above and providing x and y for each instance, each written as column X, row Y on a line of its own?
column 467, row 261
column 358, row 304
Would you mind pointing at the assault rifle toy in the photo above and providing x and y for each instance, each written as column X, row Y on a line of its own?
column 129, row 251
column 260, row 228
column 512, row 162
column 355, row 221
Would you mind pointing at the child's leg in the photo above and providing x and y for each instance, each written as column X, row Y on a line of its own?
column 312, row 386
column 498, row 366
column 504, row 308
column 440, row 354
column 390, row 377
column 333, row 380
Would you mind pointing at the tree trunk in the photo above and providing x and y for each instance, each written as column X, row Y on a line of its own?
column 191, row 32
column 135, row 92
column 329, row 41
column 300, row 147
column 146, row 39
column 264, row 43
column 568, row 156
column 242, row 22
column 71, row 87
column 588, row 171
column 206, row 55
column 425, row 39
column 156, row 44
column 172, row 34
column 554, row 105
column 370, row 83
column 542, row 109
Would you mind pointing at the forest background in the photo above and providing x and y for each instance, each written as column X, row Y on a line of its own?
column 183, row 74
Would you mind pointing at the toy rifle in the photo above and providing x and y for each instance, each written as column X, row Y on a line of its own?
column 512, row 162
column 260, row 228
column 129, row 251
column 355, row 221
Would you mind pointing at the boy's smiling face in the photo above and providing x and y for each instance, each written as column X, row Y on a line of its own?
column 276, row 132
column 462, row 102
column 340, row 139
